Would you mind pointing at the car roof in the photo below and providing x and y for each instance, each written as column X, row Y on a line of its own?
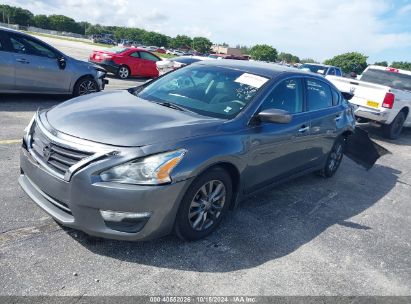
column 269, row 70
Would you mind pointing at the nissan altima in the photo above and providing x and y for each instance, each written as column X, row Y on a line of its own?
column 175, row 154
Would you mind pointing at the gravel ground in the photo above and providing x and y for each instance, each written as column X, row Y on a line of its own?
column 348, row 235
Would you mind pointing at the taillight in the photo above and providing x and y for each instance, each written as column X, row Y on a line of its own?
column 388, row 100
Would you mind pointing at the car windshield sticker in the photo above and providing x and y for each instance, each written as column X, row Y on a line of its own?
column 320, row 71
column 227, row 109
column 252, row 80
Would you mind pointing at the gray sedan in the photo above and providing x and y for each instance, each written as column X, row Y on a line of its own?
column 28, row 65
column 177, row 153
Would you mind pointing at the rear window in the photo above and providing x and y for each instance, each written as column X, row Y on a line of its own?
column 387, row 78
column 117, row 50
column 320, row 69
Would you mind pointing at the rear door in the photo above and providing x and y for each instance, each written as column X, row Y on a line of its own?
column 7, row 68
column 326, row 112
column 37, row 69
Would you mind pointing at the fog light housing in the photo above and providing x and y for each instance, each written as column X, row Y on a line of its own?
column 130, row 222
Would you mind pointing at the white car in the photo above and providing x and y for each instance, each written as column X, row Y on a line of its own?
column 382, row 95
column 168, row 65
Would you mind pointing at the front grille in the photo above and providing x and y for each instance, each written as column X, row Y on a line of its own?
column 55, row 156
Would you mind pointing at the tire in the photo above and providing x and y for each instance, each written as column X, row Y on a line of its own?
column 85, row 85
column 198, row 216
column 394, row 129
column 334, row 158
column 123, row 72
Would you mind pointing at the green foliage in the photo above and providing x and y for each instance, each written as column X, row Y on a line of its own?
column 287, row 57
column 401, row 65
column 202, row 44
column 180, row 41
column 308, row 60
column 41, row 21
column 64, row 23
column 263, row 52
column 381, row 63
column 153, row 38
column 349, row 62
column 15, row 15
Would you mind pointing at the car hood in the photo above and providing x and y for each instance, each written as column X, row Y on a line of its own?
column 122, row 119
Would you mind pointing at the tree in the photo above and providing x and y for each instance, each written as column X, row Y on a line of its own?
column 201, row 44
column 153, row 38
column 64, row 23
column 41, row 21
column 308, row 60
column 287, row 57
column 15, row 15
column 263, row 52
column 349, row 62
column 381, row 63
column 401, row 65
column 180, row 41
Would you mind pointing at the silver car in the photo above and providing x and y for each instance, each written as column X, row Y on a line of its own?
column 28, row 65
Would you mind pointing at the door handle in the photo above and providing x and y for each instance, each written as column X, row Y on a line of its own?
column 338, row 117
column 304, row 129
column 22, row 60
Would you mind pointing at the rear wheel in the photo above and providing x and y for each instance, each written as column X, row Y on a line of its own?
column 334, row 158
column 84, row 86
column 204, row 205
column 394, row 129
column 123, row 72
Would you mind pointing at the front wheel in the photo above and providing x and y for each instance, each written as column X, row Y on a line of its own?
column 84, row 86
column 204, row 205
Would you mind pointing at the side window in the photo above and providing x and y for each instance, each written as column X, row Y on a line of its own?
column 338, row 72
column 288, row 96
column 135, row 55
column 148, row 56
column 331, row 71
column 318, row 95
column 25, row 45
column 336, row 97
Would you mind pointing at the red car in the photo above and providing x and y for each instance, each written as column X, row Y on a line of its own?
column 126, row 62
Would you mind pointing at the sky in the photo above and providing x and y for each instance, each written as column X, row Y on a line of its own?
column 316, row 29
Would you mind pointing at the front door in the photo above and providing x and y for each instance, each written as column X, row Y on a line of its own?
column 37, row 69
column 7, row 69
column 278, row 150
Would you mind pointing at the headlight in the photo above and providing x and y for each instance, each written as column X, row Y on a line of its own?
column 151, row 170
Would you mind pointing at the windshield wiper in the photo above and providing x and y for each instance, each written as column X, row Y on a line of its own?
column 171, row 105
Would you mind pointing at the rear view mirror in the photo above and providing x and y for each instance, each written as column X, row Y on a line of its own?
column 275, row 116
column 347, row 95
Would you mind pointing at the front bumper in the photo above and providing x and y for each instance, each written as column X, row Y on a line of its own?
column 77, row 203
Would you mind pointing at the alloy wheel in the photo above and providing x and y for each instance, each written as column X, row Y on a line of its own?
column 207, row 204
column 123, row 72
column 87, row 87
column 335, row 156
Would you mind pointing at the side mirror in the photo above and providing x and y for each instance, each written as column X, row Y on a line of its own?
column 61, row 61
column 275, row 116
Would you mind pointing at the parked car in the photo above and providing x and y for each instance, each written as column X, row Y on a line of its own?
column 29, row 65
column 160, row 50
column 126, row 62
column 178, row 53
column 322, row 69
column 381, row 95
column 176, row 153
column 172, row 64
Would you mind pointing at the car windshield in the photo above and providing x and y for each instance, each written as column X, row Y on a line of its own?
column 391, row 79
column 314, row 68
column 207, row 90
